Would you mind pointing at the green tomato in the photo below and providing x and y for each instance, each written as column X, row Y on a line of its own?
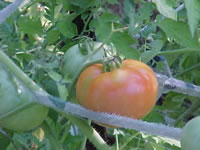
column 18, row 111
column 190, row 139
column 77, row 55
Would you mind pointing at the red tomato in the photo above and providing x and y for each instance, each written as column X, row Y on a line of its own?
column 130, row 90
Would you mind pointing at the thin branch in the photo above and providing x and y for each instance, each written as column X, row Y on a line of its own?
column 178, row 51
column 7, row 11
column 172, row 84
column 167, row 69
column 111, row 119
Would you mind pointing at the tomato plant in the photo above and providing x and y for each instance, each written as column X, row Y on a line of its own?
column 18, row 111
column 190, row 136
column 38, row 37
column 130, row 90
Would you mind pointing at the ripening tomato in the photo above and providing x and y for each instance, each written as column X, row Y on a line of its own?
column 130, row 90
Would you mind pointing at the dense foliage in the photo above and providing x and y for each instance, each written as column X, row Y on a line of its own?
column 39, row 34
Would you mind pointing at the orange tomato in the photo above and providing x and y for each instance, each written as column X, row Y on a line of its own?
column 130, row 90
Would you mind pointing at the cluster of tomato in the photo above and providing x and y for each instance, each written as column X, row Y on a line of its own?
column 129, row 90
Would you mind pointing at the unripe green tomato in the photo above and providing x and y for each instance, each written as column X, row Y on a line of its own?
column 190, row 139
column 18, row 111
column 77, row 55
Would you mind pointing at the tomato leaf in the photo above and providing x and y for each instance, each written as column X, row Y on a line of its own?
column 123, row 42
column 4, row 141
column 193, row 11
column 82, row 3
column 113, row 1
column 103, row 26
column 53, row 36
column 180, row 32
column 166, row 9
column 54, row 142
column 30, row 26
column 54, row 75
column 67, row 27
column 155, row 48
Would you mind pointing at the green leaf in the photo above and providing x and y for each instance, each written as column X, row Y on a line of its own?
column 180, row 32
column 155, row 48
column 193, row 11
column 62, row 91
column 54, row 75
column 166, row 9
column 113, row 1
column 123, row 42
column 146, row 10
column 103, row 26
column 4, row 141
column 155, row 116
column 53, row 36
column 54, row 142
column 67, row 27
column 30, row 26
column 82, row 3
column 129, row 8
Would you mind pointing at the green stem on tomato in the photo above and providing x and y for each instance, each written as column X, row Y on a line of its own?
column 93, row 136
column 83, row 144
column 91, row 133
column 177, row 51
column 117, row 142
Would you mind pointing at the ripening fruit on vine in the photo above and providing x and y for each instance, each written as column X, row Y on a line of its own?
column 190, row 138
column 18, row 111
column 130, row 90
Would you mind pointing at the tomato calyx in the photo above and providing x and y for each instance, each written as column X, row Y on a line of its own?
column 112, row 60
column 112, row 63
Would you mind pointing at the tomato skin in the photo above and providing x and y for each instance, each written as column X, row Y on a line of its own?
column 14, row 96
column 190, row 138
column 130, row 90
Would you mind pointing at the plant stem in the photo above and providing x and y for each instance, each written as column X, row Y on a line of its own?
column 7, row 11
column 83, row 144
column 91, row 133
column 117, row 142
column 178, row 51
